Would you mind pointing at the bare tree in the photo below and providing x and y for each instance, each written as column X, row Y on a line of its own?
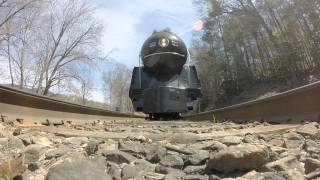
column 116, row 87
column 68, row 35
column 19, row 37
column 9, row 9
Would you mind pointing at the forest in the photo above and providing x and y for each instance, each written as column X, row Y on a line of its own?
column 250, row 42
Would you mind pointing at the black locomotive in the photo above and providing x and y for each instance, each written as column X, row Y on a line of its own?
column 164, row 87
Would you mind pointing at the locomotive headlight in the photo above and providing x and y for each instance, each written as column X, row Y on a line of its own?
column 163, row 42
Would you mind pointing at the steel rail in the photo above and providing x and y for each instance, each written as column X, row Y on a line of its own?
column 21, row 98
column 296, row 105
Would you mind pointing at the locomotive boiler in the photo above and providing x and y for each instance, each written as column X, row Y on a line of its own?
column 165, row 86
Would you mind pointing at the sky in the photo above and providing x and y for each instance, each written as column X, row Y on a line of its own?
column 128, row 23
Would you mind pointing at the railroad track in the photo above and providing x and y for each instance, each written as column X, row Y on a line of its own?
column 17, row 104
column 292, row 106
column 117, row 131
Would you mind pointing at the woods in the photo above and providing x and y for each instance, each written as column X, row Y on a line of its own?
column 246, row 42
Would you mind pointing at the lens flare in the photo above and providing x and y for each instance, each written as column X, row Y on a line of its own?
column 198, row 25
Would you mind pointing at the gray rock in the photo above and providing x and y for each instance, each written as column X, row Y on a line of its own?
column 25, row 139
column 41, row 140
column 276, row 142
column 137, row 169
column 199, row 158
column 169, row 171
column 213, row 177
column 16, row 132
column 215, row 146
column 77, row 141
column 284, row 164
column 55, row 153
column 308, row 130
column 4, row 142
column 110, row 145
column 15, row 143
column 92, row 147
column 231, row 140
column 311, row 165
column 114, row 170
column 172, row 160
column 133, row 147
column 241, row 157
column 250, row 138
column 130, row 172
column 265, row 176
column 79, row 170
column 312, row 146
column 154, row 152
column 33, row 153
column 119, row 157
column 194, row 169
column 293, row 140
column 195, row 177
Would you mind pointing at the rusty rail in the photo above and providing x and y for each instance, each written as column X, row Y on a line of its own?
column 295, row 105
column 21, row 98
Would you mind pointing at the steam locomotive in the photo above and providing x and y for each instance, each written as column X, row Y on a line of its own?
column 164, row 87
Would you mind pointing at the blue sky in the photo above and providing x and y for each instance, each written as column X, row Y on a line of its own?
column 129, row 22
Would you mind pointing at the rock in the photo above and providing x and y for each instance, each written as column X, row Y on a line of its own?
column 130, row 172
column 119, row 157
column 41, row 140
column 213, row 177
column 4, row 142
column 171, row 160
column 77, row 141
column 311, row 165
column 132, row 147
column 308, row 130
column 215, row 146
column 137, row 169
column 79, row 170
column 276, row 142
column 154, row 176
column 264, row 176
column 110, row 145
column 241, row 157
column 15, row 143
column 265, row 137
column 171, row 172
column 312, row 146
column 92, row 147
column 55, row 153
column 194, row 169
column 33, row 153
column 194, row 177
column 16, row 132
column 284, row 164
column 154, row 152
column 231, row 140
column 199, row 158
column 314, row 174
column 114, row 170
column 293, row 140
column 26, row 139
column 250, row 138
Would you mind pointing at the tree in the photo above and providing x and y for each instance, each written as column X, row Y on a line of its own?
column 69, row 34
column 116, row 87
column 257, row 42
